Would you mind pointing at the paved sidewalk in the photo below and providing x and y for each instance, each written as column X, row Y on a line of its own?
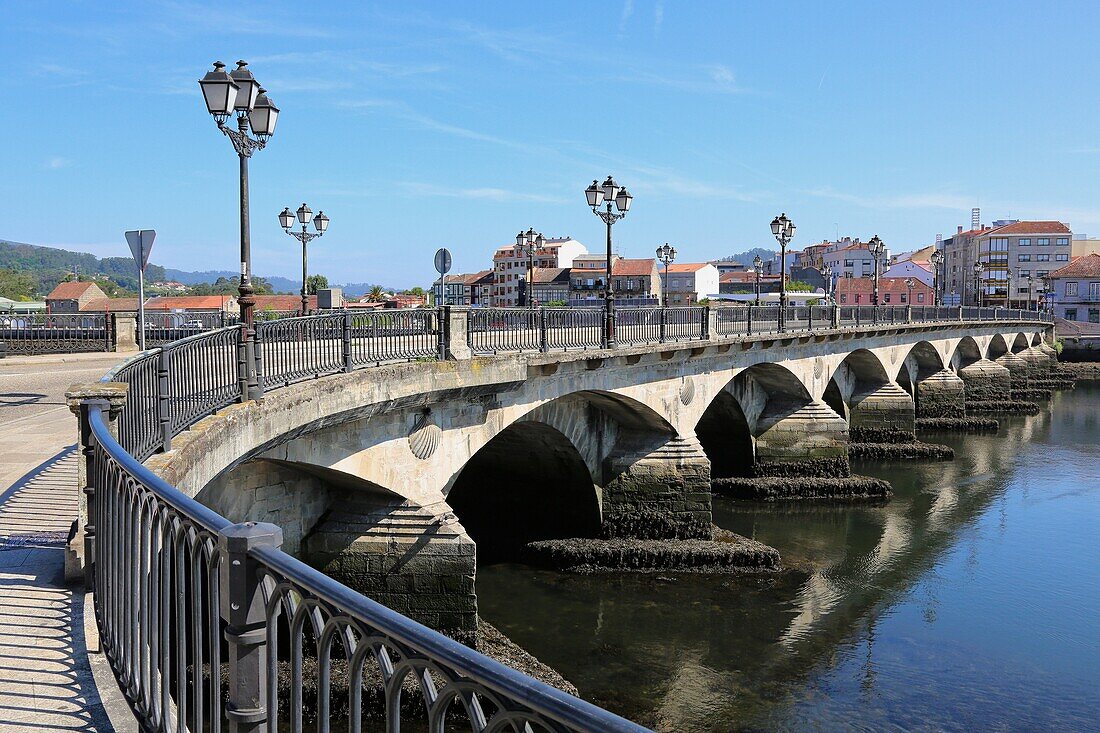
column 45, row 679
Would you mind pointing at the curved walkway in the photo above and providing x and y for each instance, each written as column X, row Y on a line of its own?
column 45, row 677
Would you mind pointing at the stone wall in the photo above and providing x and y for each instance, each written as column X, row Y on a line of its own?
column 986, row 381
column 886, row 408
column 942, row 394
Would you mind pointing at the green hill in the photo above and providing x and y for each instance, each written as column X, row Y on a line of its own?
column 47, row 266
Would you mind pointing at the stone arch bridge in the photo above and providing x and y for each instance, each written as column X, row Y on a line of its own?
column 388, row 478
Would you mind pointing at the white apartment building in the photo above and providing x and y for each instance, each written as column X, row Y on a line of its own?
column 689, row 282
column 510, row 268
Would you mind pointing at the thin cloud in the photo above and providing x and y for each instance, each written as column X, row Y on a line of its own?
column 484, row 194
column 902, row 201
column 624, row 16
column 658, row 16
column 57, row 162
column 701, row 79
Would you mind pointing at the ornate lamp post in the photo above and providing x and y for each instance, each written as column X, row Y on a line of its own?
column 876, row 248
column 666, row 255
column 225, row 94
column 909, row 283
column 1031, row 292
column 320, row 223
column 827, row 273
column 978, row 267
column 758, row 268
column 936, row 258
column 783, row 229
column 1008, row 288
column 606, row 193
column 527, row 243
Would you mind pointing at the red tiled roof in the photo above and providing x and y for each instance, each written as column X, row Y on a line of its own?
column 1087, row 266
column 686, row 266
column 1032, row 227
column 191, row 302
column 110, row 305
column 625, row 268
column 550, row 274
column 71, row 290
column 283, row 302
column 885, row 285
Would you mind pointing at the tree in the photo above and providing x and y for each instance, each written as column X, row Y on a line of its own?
column 17, row 285
column 417, row 291
column 797, row 286
column 315, row 283
column 376, row 294
column 229, row 285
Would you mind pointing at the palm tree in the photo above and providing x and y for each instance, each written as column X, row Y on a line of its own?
column 376, row 294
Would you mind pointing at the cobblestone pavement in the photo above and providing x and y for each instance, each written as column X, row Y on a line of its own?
column 45, row 680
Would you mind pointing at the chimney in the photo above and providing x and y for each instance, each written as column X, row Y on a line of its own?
column 960, row 229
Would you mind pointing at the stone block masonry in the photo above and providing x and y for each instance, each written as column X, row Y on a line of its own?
column 942, row 394
column 986, row 381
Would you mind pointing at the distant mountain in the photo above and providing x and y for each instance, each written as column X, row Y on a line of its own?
column 50, row 265
column 746, row 258
column 278, row 284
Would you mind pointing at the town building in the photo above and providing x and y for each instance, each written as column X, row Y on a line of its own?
column 203, row 303
column 686, row 283
column 960, row 252
column 636, row 282
column 733, row 283
column 282, row 303
column 73, row 297
column 1017, row 250
column 891, row 290
column 1082, row 245
column 550, row 285
column 849, row 258
column 1075, row 290
column 510, row 267
column 910, row 268
column 465, row 289
column 728, row 264
column 593, row 261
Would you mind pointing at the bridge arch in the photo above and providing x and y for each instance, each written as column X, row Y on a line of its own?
column 922, row 361
column 967, row 351
column 529, row 482
column 1021, row 343
column 998, row 347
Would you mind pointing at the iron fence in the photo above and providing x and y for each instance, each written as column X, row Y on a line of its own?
column 191, row 609
column 574, row 328
column 48, row 333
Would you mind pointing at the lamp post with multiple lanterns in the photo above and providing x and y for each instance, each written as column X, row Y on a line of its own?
column 239, row 93
column 666, row 255
column 608, row 193
column 936, row 258
column 758, row 268
column 876, row 248
column 320, row 224
column 527, row 243
column 783, row 229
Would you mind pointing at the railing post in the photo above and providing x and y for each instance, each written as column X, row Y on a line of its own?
column 453, row 334
column 660, row 324
column 960, row 312
column 544, row 340
column 258, row 355
column 835, row 316
column 245, row 615
column 164, row 417
column 110, row 397
column 749, row 320
column 710, row 323
column 345, row 341
column 444, row 328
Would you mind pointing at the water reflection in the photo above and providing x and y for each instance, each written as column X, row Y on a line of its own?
column 960, row 604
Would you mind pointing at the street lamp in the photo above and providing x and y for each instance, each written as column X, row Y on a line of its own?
column 978, row 267
column 225, row 94
column 1008, row 290
column 909, row 283
column 758, row 268
column 827, row 273
column 783, row 230
column 666, row 255
column 320, row 223
column 526, row 245
column 606, row 193
column 936, row 258
column 876, row 248
column 1031, row 292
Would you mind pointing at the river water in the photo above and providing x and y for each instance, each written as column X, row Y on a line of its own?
column 970, row 601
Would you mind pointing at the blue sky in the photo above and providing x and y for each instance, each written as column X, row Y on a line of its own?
column 420, row 125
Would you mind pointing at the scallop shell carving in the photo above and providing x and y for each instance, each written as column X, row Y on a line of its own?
column 424, row 437
column 687, row 391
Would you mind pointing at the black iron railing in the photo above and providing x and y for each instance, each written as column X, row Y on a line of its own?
column 47, row 333
column 192, row 609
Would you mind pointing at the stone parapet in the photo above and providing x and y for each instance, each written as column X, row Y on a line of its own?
column 941, row 394
column 663, row 494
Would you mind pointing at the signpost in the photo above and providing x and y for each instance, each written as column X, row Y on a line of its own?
column 141, row 244
column 443, row 266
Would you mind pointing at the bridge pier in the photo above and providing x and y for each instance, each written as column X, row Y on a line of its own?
column 811, row 441
column 660, row 494
column 940, row 394
column 986, row 381
column 1019, row 369
column 1037, row 362
column 416, row 560
column 882, row 414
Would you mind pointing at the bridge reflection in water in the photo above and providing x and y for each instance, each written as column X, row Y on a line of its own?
column 960, row 604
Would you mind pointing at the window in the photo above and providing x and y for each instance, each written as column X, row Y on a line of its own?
column 1071, row 287
column 848, row 263
column 1044, row 257
column 1071, row 314
column 920, row 297
column 1062, row 257
column 843, row 297
column 903, row 296
column 1041, row 273
column 1044, row 241
column 1024, row 242
column 998, row 244
column 1094, row 290
column 1023, row 257
column 887, row 298
column 1094, row 315
column 1062, row 241
column 1025, row 273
